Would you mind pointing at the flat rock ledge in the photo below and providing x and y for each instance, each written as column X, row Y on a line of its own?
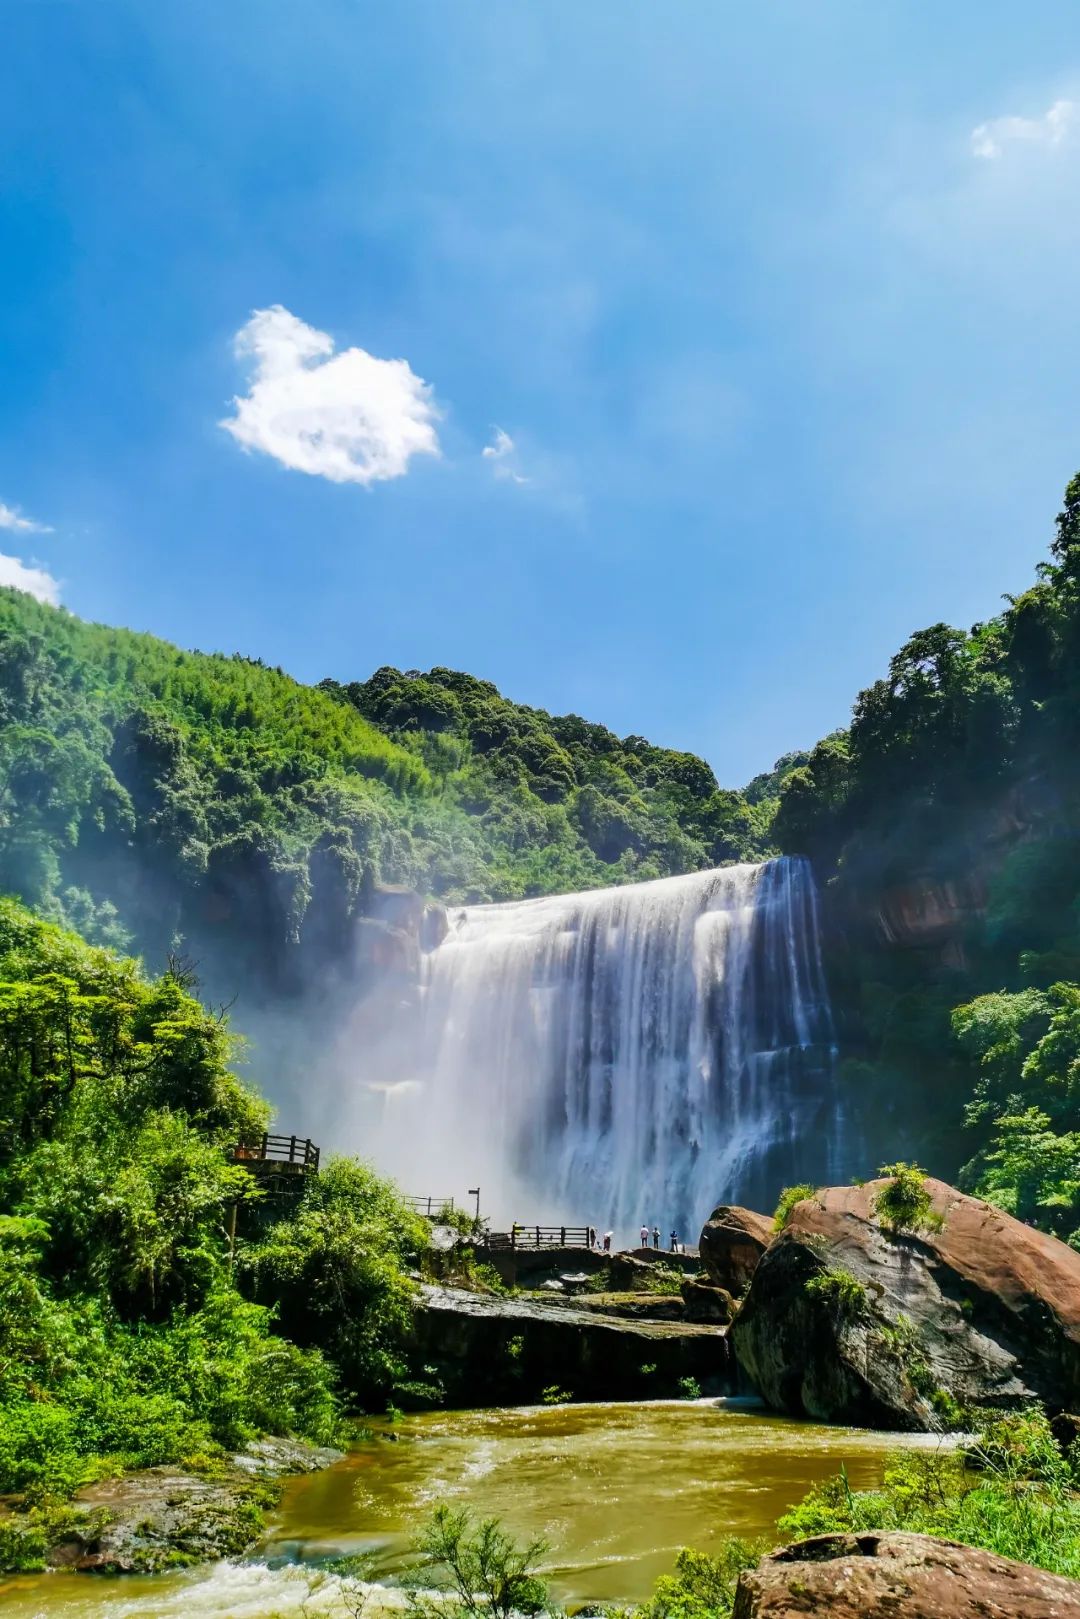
column 491, row 1349
column 163, row 1517
column 898, row 1576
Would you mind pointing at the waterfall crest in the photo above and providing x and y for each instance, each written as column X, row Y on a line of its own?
column 628, row 1054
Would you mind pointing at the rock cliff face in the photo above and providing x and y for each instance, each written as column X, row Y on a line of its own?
column 897, row 1576
column 846, row 1322
column 489, row 1349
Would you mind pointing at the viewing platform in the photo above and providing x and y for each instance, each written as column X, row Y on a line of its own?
column 538, row 1236
column 280, row 1164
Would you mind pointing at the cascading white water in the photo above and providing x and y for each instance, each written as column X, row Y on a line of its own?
column 630, row 1054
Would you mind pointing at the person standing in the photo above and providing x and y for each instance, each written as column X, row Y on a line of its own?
column 656, row 1237
column 607, row 1241
column 674, row 1242
column 644, row 1236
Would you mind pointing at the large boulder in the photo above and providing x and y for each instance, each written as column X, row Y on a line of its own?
column 704, row 1302
column 847, row 1322
column 897, row 1576
column 732, row 1241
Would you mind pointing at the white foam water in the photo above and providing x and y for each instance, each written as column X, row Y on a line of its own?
column 626, row 1055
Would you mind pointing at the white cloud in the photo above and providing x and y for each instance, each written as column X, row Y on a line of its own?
column 502, row 453
column 12, row 518
column 348, row 417
column 989, row 140
column 35, row 581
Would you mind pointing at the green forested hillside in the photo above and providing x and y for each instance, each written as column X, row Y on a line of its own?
column 147, row 792
column 945, row 826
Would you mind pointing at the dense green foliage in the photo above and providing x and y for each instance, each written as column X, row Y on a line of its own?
column 147, row 792
column 124, row 1340
column 1027, row 1050
column 787, row 1201
column 945, row 826
column 1013, row 1493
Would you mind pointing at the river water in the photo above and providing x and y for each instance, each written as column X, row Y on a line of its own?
column 614, row 1489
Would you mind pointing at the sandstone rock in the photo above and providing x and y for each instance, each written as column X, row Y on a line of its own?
column 985, row 1310
column 510, row 1349
column 392, row 903
column 434, row 926
column 899, row 1576
column 386, row 951
column 704, row 1302
column 633, row 1305
column 638, row 1269
column 732, row 1241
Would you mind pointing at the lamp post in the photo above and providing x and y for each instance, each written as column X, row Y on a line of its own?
column 474, row 1191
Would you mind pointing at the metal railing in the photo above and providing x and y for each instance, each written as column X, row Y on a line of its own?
column 432, row 1207
column 539, row 1236
column 273, row 1155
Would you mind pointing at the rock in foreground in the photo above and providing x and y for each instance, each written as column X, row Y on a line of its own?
column 163, row 1517
column 733, row 1240
column 845, row 1322
column 898, row 1576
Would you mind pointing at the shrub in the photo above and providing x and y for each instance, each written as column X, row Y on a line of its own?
column 702, row 1587
column 479, row 1567
column 842, row 1293
column 905, row 1204
column 1020, row 1505
column 788, row 1199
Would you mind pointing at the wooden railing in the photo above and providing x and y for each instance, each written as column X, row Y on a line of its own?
column 431, row 1207
column 277, row 1155
column 539, row 1236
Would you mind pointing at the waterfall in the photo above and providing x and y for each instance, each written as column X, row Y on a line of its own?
column 628, row 1054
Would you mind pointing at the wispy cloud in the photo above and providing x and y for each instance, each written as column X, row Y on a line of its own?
column 990, row 140
column 25, row 576
column 348, row 417
column 12, row 518
column 503, row 456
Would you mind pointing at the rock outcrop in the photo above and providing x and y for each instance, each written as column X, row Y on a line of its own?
column 732, row 1242
column 489, row 1349
column 898, row 1576
column 163, row 1517
column 704, row 1302
column 845, row 1322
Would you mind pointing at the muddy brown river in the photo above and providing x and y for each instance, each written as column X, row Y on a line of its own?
column 614, row 1489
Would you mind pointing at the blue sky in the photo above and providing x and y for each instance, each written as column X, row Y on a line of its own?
column 775, row 305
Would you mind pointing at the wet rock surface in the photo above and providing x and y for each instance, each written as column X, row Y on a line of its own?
column 489, row 1348
column 899, row 1576
column 983, row 1311
column 164, row 1517
column 630, row 1306
column 733, row 1240
column 704, row 1302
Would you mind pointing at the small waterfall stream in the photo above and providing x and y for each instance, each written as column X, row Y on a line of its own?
column 629, row 1054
